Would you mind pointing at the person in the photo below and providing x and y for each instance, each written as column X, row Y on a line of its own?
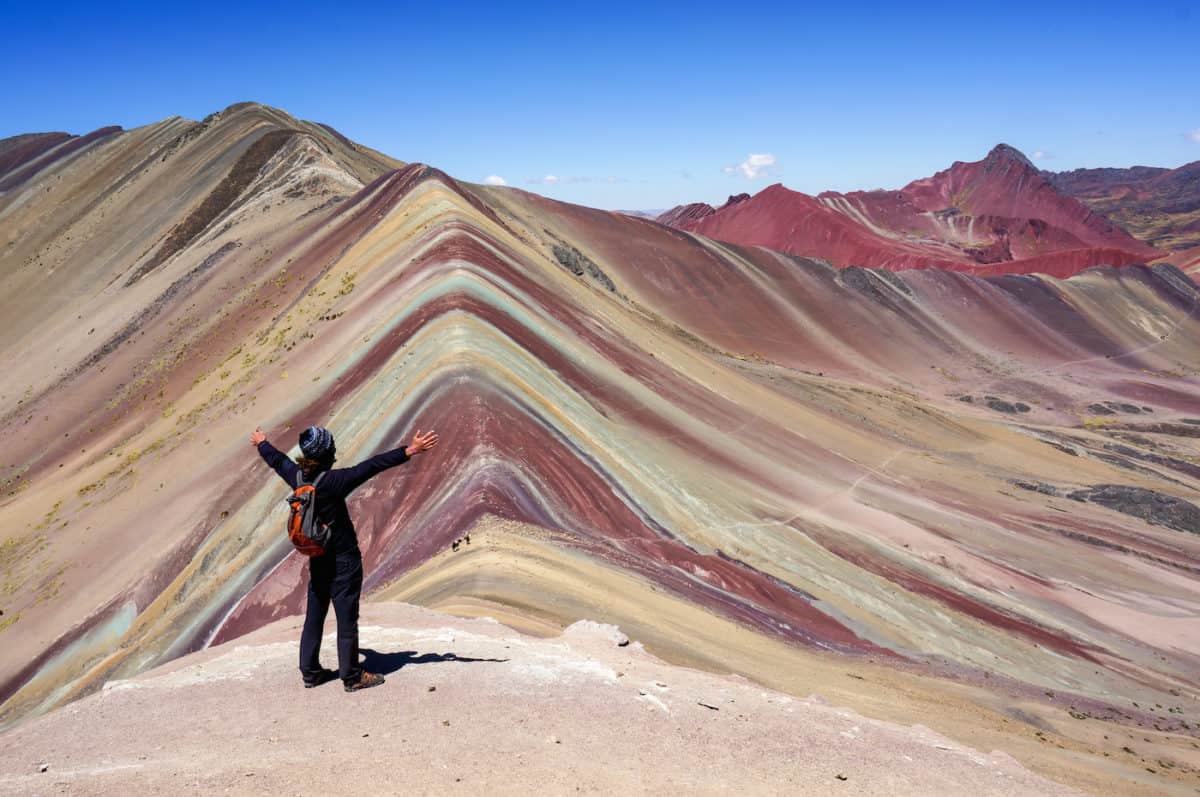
column 336, row 575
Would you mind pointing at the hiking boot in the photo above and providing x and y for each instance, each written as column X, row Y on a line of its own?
column 365, row 681
column 323, row 677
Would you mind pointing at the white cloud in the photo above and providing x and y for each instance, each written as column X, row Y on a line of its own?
column 1194, row 135
column 495, row 179
column 1039, row 155
column 550, row 179
column 754, row 166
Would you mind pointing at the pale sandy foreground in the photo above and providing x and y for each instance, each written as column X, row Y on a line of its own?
column 477, row 708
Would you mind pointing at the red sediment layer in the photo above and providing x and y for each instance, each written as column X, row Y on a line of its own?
column 1159, row 395
column 1124, row 540
column 27, row 148
column 17, row 176
column 961, row 603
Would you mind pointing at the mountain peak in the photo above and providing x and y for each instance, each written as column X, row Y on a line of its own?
column 734, row 199
column 1004, row 152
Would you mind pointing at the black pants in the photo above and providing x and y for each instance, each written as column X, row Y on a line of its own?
column 336, row 577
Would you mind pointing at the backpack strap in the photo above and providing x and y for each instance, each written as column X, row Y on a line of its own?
column 317, row 483
column 299, row 476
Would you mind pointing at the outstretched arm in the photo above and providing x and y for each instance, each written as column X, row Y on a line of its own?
column 278, row 460
column 354, row 477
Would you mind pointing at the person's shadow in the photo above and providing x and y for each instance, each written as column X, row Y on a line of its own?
column 388, row 663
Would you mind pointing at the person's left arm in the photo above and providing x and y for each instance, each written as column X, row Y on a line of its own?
column 280, row 462
column 349, row 479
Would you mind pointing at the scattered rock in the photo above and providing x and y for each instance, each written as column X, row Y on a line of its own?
column 706, row 705
column 579, row 264
column 1037, row 487
column 1008, row 407
column 1177, row 464
column 1151, row 506
column 43, row 767
column 1113, row 407
column 867, row 281
column 967, row 399
column 841, row 777
column 1174, row 429
column 433, row 689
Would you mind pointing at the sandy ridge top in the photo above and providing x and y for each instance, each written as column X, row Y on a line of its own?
column 470, row 704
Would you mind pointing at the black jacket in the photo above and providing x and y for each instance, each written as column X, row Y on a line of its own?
column 335, row 486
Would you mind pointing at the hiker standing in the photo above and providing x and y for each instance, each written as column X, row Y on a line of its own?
column 336, row 575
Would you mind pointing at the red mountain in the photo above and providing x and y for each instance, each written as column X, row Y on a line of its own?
column 689, row 214
column 997, row 215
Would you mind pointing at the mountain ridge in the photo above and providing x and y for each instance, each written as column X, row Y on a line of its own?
column 819, row 459
column 578, row 709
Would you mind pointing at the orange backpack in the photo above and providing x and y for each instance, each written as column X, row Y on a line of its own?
column 305, row 530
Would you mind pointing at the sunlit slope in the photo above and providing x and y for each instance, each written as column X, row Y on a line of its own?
column 823, row 459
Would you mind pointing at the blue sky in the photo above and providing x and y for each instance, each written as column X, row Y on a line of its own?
column 639, row 105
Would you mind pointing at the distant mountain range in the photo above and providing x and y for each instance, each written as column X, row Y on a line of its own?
column 997, row 215
column 1160, row 206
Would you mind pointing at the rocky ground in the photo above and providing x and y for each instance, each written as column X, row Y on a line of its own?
column 472, row 706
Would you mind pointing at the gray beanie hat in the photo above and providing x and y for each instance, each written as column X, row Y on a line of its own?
column 316, row 442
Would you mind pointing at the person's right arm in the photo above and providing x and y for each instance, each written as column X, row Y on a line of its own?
column 280, row 462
